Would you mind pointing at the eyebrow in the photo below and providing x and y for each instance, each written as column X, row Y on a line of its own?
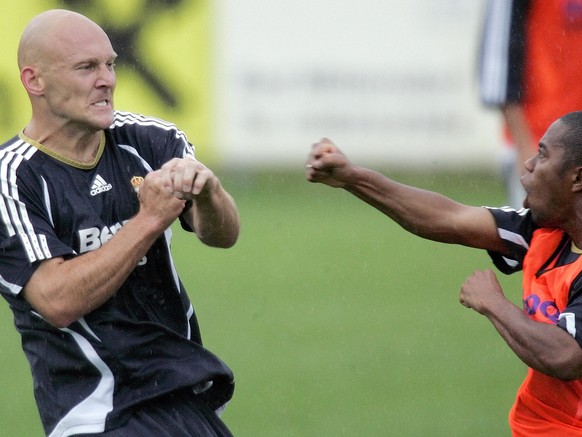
column 94, row 60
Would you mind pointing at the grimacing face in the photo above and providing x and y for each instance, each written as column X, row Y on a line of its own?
column 78, row 77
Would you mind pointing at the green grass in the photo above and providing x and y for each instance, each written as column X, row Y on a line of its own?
column 335, row 321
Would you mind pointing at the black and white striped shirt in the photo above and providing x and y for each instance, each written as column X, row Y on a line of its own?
column 144, row 342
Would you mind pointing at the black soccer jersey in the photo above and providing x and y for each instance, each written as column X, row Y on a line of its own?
column 144, row 342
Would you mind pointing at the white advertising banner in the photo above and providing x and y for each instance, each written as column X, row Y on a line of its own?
column 390, row 81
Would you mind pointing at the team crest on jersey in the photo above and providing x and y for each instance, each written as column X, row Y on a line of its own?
column 99, row 186
column 136, row 182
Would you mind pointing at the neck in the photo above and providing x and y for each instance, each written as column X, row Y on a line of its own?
column 573, row 227
column 77, row 145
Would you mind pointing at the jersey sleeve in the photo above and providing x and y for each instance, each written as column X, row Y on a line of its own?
column 516, row 228
column 502, row 52
column 570, row 320
column 156, row 141
column 176, row 145
column 27, row 234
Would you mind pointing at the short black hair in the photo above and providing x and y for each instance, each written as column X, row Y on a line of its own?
column 572, row 140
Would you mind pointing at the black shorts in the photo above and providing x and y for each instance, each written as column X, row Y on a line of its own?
column 174, row 415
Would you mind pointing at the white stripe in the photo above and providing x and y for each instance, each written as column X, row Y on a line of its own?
column 134, row 152
column 14, row 212
column 17, row 212
column 27, row 229
column 570, row 323
column 90, row 414
column 189, row 315
column 13, row 288
column 5, row 195
column 513, row 237
column 84, row 324
column 521, row 211
column 168, row 240
column 47, row 201
column 495, row 64
column 44, row 246
column 510, row 262
column 122, row 118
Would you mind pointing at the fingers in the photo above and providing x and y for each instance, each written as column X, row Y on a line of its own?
column 324, row 145
column 319, row 150
column 328, row 165
column 187, row 178
column 317, row 158
column 479, row 290
column 157, row 201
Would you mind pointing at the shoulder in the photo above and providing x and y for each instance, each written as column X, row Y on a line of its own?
column 130, row 120
column 516, row 228
column 16, row 152
column 152, row 138
column 122, row 118
column 17, row 145
column 137, row 129
column 515, row 221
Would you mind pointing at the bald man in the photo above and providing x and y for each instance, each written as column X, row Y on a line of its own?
column 88, row 196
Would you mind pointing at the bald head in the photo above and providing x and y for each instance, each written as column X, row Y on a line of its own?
column 67, row 68
column 50, row 31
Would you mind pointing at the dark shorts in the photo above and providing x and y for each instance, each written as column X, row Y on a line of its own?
column 175, row 415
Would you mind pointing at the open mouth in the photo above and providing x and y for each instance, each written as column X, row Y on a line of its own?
column 101, row 103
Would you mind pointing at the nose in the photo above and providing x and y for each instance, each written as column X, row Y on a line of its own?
column 106, row 76
column 529, row 164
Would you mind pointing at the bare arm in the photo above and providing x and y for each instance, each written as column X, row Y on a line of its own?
column 62, row 290
column 213, row 215
column 424, row 213
column 543, row 347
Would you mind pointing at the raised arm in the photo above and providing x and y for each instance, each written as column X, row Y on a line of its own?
column 424, row 213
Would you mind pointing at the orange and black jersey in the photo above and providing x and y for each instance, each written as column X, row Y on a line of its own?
column 552, row 294
column 517, row 229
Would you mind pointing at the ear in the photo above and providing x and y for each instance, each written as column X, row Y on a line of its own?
column 577, row 181
column 31, row 78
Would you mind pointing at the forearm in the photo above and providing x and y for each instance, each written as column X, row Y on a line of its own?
column 541, row 346
column 215, row 219
column 63, row 291
column 424, row 213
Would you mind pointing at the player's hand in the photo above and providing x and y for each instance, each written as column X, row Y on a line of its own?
column 480, row 290
column 157, row 202
column 327, row 164
column 188, row 179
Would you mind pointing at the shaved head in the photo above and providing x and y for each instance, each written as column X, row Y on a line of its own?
column 66, row 64
column 48, row 31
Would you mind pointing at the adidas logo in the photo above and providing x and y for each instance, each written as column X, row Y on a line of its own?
column 100, row 186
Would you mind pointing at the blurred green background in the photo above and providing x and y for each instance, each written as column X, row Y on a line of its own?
column 335, row 321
